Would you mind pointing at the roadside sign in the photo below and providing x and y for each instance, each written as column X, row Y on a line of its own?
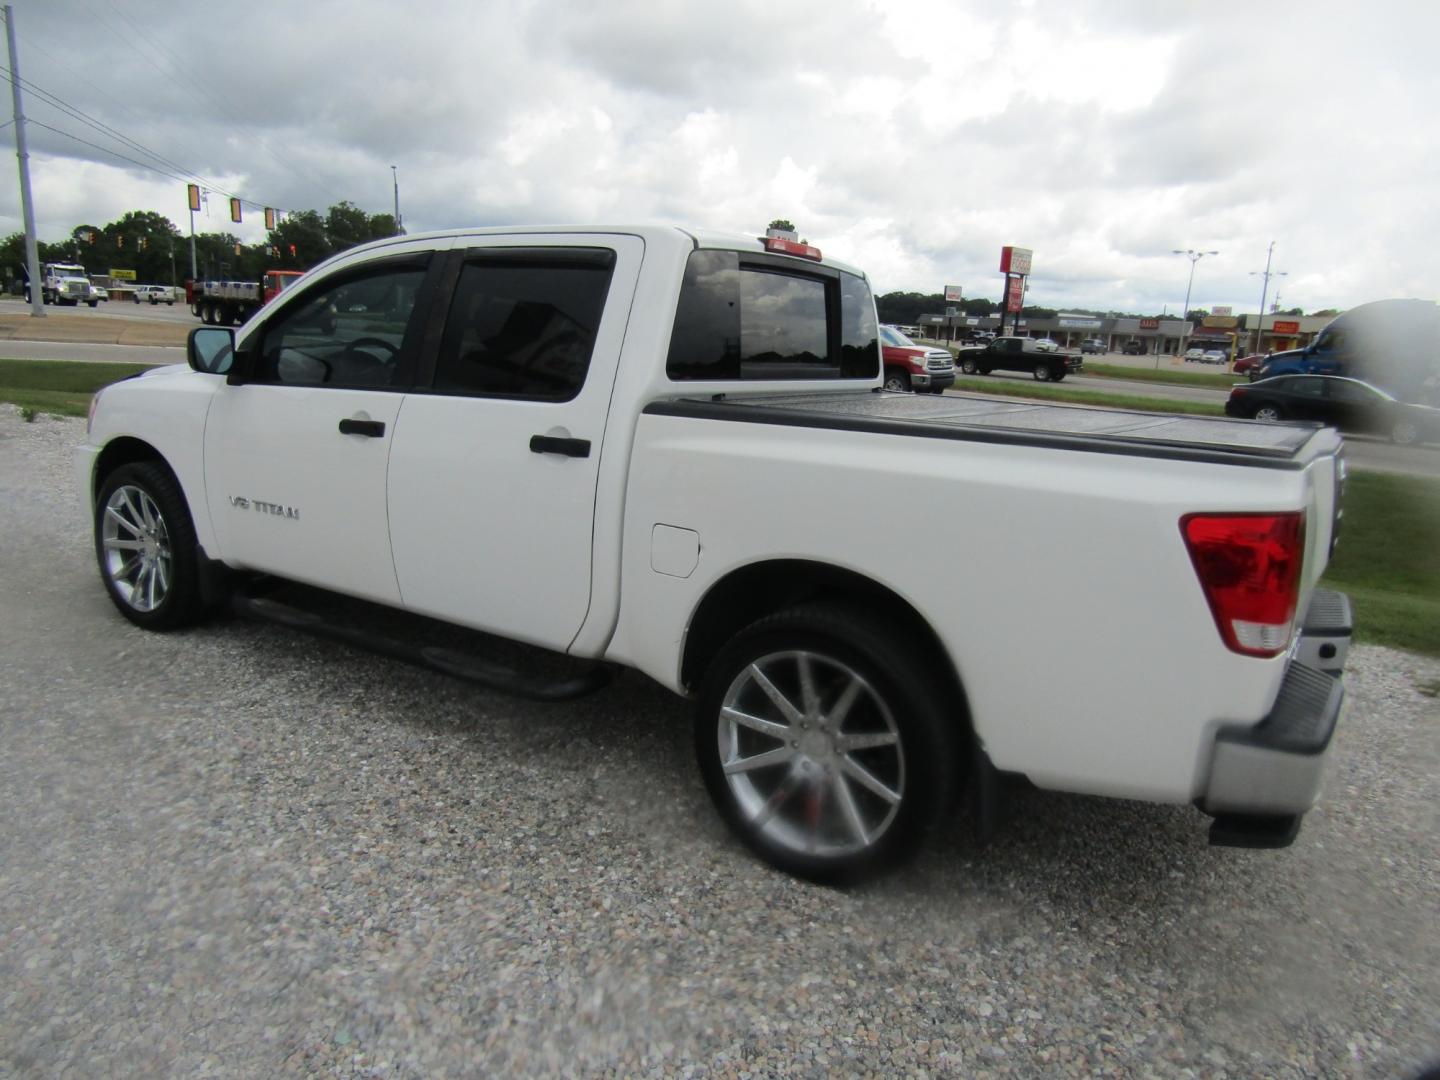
column 1221, row 309
column 1015, row 260
column 122, row 275
column 954, row 294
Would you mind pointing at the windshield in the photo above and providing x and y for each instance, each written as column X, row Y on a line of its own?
column 891, row 336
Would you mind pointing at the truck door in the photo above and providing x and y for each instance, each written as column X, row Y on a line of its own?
column 493, row 469
column 295, row 456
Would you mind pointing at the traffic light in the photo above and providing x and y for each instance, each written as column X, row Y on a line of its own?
column 292, row 251
column 235, row 210
column 193, row 194
column 237, row 249
column 269, row 218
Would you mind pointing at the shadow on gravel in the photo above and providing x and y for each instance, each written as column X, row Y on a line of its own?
column 1123, row 856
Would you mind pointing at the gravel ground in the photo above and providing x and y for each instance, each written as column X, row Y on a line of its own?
column 233, row 851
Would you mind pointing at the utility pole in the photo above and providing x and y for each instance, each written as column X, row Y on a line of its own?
column 1194, row 257
column 395, row 177
column 1266, row 275
column 32, row 254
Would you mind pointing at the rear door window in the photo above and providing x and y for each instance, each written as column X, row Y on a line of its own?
column 743, row 317
column 522, row 322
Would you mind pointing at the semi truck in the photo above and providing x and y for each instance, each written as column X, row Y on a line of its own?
column 225, row 303
column 64, row 284
column 1392, row 344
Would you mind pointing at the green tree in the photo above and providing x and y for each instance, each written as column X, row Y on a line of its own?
column 301, row 241
column 346, row 225
column 782, row 223
column 141, row 240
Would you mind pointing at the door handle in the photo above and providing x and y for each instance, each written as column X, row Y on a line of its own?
column 371, row 429
column 552, row 444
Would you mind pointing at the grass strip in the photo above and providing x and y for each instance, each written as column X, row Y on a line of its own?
column 1049, row 392
column 59, row 386
column 1164, row 374
column 1388, row 560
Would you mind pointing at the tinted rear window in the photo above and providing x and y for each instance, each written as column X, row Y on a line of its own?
column 747, row 318
column 523, row 323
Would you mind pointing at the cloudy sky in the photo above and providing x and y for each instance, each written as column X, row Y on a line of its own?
column 910, row 138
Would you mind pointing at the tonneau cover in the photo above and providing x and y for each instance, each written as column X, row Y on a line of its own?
column 988, row 419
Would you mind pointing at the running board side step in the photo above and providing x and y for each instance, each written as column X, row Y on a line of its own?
column 473, row 669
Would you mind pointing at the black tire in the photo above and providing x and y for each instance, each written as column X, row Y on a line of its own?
column 1042, row 372
column 1267, row 412
column 897, row 380
column 858, row 830
column 985, row 370
column 93, row 303
column 968, row 366
column 170, row 561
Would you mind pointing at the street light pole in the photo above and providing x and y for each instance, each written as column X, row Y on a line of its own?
column 395, row 177
column 1194, row 257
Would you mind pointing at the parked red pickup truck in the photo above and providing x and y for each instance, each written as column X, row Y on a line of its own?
column 915, row 367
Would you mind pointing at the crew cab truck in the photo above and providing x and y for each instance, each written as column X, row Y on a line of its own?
column 226, row 303
column 671, row 451
column 1019, row 354
column 914, row 367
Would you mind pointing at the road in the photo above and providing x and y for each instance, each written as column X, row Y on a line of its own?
column 115, row 309
column 1364, row 453
column 238, row 851
column 96, row 354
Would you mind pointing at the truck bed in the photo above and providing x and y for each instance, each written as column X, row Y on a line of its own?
column 979, row 418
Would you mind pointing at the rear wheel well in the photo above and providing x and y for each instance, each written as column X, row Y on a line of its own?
column 123, row 451
column 752, row 592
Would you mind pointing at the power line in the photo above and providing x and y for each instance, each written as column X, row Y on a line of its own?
column 180, row 173
column 58, row 103
column 108, row 95
column 177, row 66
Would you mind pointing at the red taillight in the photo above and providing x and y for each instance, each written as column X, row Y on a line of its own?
column 790, row 247
column 1249, row 566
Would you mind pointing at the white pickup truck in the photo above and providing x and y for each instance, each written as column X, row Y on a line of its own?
column 670, row 450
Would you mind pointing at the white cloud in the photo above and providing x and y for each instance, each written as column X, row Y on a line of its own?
column 910, row 138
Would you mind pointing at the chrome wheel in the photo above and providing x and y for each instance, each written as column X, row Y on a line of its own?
column 811, row 754
column 137, row 557
column 1267, row 412
column 1405, row 432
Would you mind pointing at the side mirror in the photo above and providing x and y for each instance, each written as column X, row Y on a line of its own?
column 211, row 350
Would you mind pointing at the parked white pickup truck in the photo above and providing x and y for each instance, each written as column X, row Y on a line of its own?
column 671, row 451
